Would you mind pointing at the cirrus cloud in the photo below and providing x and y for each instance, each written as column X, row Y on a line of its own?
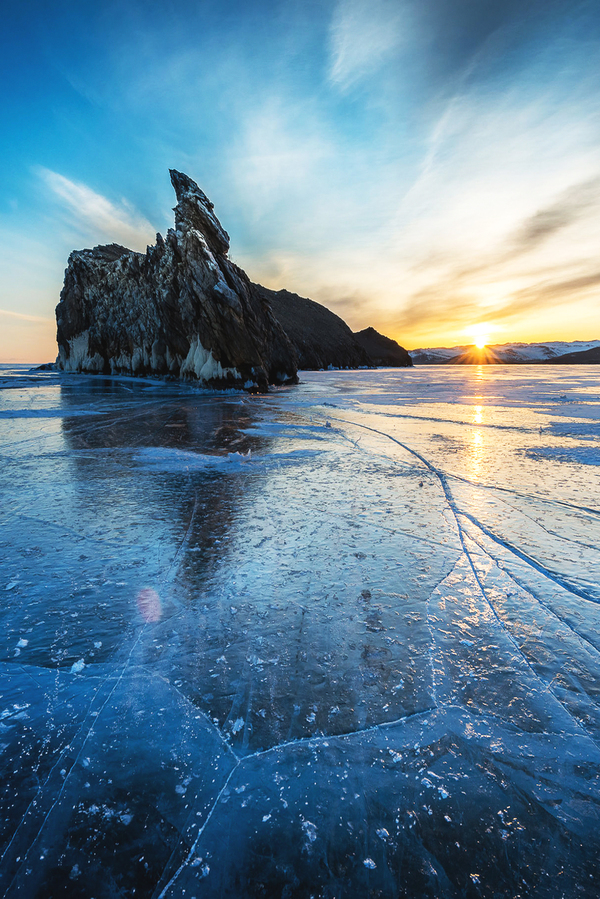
column 363, row 36
column 98, row 216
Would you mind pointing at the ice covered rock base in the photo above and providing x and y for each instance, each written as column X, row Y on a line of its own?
column 182, row 309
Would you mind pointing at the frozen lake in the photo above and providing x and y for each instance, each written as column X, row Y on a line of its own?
column 342, row 640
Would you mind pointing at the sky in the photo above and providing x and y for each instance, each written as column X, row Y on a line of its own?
column 427, row 167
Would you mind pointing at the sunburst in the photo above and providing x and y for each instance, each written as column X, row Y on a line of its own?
column 480, row 335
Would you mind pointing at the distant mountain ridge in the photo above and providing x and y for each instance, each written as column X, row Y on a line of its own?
column 578, row 351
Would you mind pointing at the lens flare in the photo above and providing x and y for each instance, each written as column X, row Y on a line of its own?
column 149, row 605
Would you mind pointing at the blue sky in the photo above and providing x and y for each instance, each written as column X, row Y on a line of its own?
column 429, row 167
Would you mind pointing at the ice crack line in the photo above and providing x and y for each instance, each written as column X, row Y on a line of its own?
column 184, row 541
column 529, row 560
column 166, row 577
column 305, row 741
column 516, row 580
column 201, row 830
column 450, row 421
column 59, row 761
column 203, row 714
column 456, row 513
column 535, row 496
column 441, row 476
column 543, row 527
column 319, row 739
column 545, row 685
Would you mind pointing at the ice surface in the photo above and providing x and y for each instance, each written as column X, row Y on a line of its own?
column 339, row 640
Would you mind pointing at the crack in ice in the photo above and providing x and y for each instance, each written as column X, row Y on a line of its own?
column 526, row 589
column 457, row 513
column 60, row 760
column 529, row 560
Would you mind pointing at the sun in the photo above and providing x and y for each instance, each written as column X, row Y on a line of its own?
column 480, row 336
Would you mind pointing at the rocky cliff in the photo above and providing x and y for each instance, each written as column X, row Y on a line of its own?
column 382, row 350
column 181, row 309
column 320, row 338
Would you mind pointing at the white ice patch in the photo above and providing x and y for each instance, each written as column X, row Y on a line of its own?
column 162, row 458
column 296, row 431
column 202, row 364
column 77, row 667
column 239, row 457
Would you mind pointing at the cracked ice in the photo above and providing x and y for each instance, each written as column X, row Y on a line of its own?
column 342, row 639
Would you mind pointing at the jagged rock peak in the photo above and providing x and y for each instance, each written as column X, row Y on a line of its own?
column 182, row 309
column 107, row 253
column 194, row 211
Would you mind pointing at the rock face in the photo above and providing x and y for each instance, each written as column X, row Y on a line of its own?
column 320, row 338
column 382, row 350
column 182, row 309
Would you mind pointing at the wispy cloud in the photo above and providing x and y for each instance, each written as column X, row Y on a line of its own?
column 444, row 306
column 573, row 204
column 364, row 34
column 277, row 154
column 23, row 316
column 522, row 296
column 97, row 216
column 576, row 211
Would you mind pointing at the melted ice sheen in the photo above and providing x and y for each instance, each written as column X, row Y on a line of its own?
column 339, row 640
